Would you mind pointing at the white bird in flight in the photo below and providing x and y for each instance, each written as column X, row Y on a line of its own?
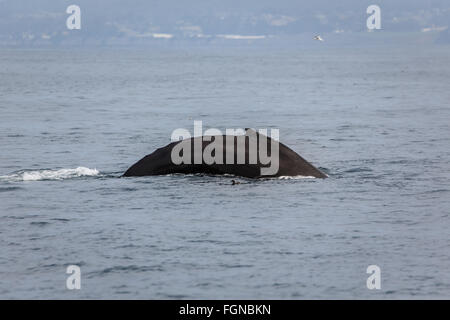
column 318, row 38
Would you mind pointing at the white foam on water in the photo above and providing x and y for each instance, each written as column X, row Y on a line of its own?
column 59, row 174
column 295, row 177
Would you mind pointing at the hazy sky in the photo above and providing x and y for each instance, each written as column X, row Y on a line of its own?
column 45, row 20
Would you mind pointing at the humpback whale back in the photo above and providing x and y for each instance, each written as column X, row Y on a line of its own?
column 244, row 163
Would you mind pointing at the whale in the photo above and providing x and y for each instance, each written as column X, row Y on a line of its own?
column 251, row 155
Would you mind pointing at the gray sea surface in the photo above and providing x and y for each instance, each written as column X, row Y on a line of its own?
column 376, row 120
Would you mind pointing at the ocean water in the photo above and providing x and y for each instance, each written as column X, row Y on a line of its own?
column 376, row 120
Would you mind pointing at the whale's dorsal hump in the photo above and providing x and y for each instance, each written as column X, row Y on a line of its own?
column 253, row 132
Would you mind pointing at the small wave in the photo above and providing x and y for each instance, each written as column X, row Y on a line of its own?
column 9, row 189
column 357, row 170
column 59, row 174
column 295, row 177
